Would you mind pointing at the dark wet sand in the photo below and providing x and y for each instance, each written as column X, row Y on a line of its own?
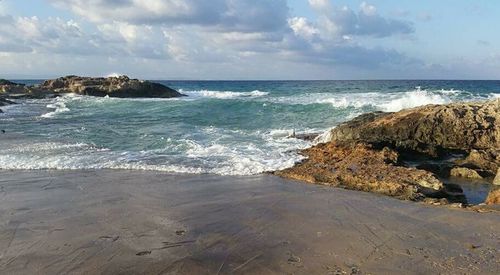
column 60, row 222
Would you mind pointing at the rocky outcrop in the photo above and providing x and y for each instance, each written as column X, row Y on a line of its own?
column 373, row 152
column 429, row 129
column 361, row 167
column 434, row 130
column 8, row 87
column 112, row 86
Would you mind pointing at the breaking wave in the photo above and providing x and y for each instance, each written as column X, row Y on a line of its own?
column 224, row 94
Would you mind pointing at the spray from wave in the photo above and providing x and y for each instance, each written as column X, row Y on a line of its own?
column 224, row 94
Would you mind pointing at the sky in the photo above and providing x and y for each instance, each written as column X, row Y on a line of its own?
column 251, row 39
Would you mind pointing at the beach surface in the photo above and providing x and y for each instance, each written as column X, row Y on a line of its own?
column 131, row 222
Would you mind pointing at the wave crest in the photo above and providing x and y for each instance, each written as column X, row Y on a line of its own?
column 224, row 94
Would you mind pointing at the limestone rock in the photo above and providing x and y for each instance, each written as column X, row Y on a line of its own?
column 112, row 86
column 361, row 167
column 464, row 172
column 433, row 130
column 458, row 126
column 486, row 160
column 7, row 87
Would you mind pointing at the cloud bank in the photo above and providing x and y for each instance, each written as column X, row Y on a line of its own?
column 230, row 33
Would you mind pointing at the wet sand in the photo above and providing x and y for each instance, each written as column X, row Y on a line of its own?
column 60, row 222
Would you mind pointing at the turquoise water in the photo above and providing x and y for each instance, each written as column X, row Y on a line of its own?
column 222, row 127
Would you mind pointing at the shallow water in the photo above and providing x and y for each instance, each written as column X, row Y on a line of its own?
column 222, row 127
column 475, row 190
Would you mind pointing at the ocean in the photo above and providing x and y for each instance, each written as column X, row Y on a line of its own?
column 222, row 127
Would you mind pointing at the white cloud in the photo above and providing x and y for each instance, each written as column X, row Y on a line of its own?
column 302, row 28
column 230, row 35
column 226, row 15
column 321, row 5
column 339, row 21
column 367, row 9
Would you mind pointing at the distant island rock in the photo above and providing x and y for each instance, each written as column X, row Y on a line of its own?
column 122, row 87
column 372, row 152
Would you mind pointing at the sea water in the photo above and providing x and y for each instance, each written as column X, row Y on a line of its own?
column 221, row 127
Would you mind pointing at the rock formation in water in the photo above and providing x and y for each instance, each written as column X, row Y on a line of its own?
column 122, row 87
column 9, row 88
column 434, row 131
column 372, row 151
column 112, row 86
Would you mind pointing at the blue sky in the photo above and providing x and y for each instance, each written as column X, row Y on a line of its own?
column 251, row 39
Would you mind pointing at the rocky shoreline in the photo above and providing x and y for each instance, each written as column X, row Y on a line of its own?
column 121, row 87
column 406, row 154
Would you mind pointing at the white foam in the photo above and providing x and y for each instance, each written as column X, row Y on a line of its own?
column 222, row 154
column 389, row 102
column 412, row 99
column 281, row 133
column 224, row 94
column 324, row 137
column 59, row 107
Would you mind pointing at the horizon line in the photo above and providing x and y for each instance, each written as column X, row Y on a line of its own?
column 264, row 80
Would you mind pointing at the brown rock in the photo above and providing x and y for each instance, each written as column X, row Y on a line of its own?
column 493, row 196
column 433, row 130
column 7, row 87
column 485, row 160
column 464, row 172
column 360, row 167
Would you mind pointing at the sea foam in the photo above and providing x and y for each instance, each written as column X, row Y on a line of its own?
column 224, row 94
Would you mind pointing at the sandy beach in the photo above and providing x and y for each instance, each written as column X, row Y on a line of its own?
column 130, row 222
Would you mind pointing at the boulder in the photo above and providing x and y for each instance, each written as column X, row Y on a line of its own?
column 361, row 167
column 487, row 160
column 457, row 126
column 465, row 172
column 112, row 86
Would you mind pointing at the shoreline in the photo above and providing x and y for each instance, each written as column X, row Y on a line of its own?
column 110, row 221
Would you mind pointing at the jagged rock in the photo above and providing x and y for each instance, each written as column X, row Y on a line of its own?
column 361, row 167
column 464, row 172
column 112, row 86
column 493, row 196
column 13, row 90
column 7, row 87
column 432, row 130
column 485, row 160
column 457, row 126
column 369, row 152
